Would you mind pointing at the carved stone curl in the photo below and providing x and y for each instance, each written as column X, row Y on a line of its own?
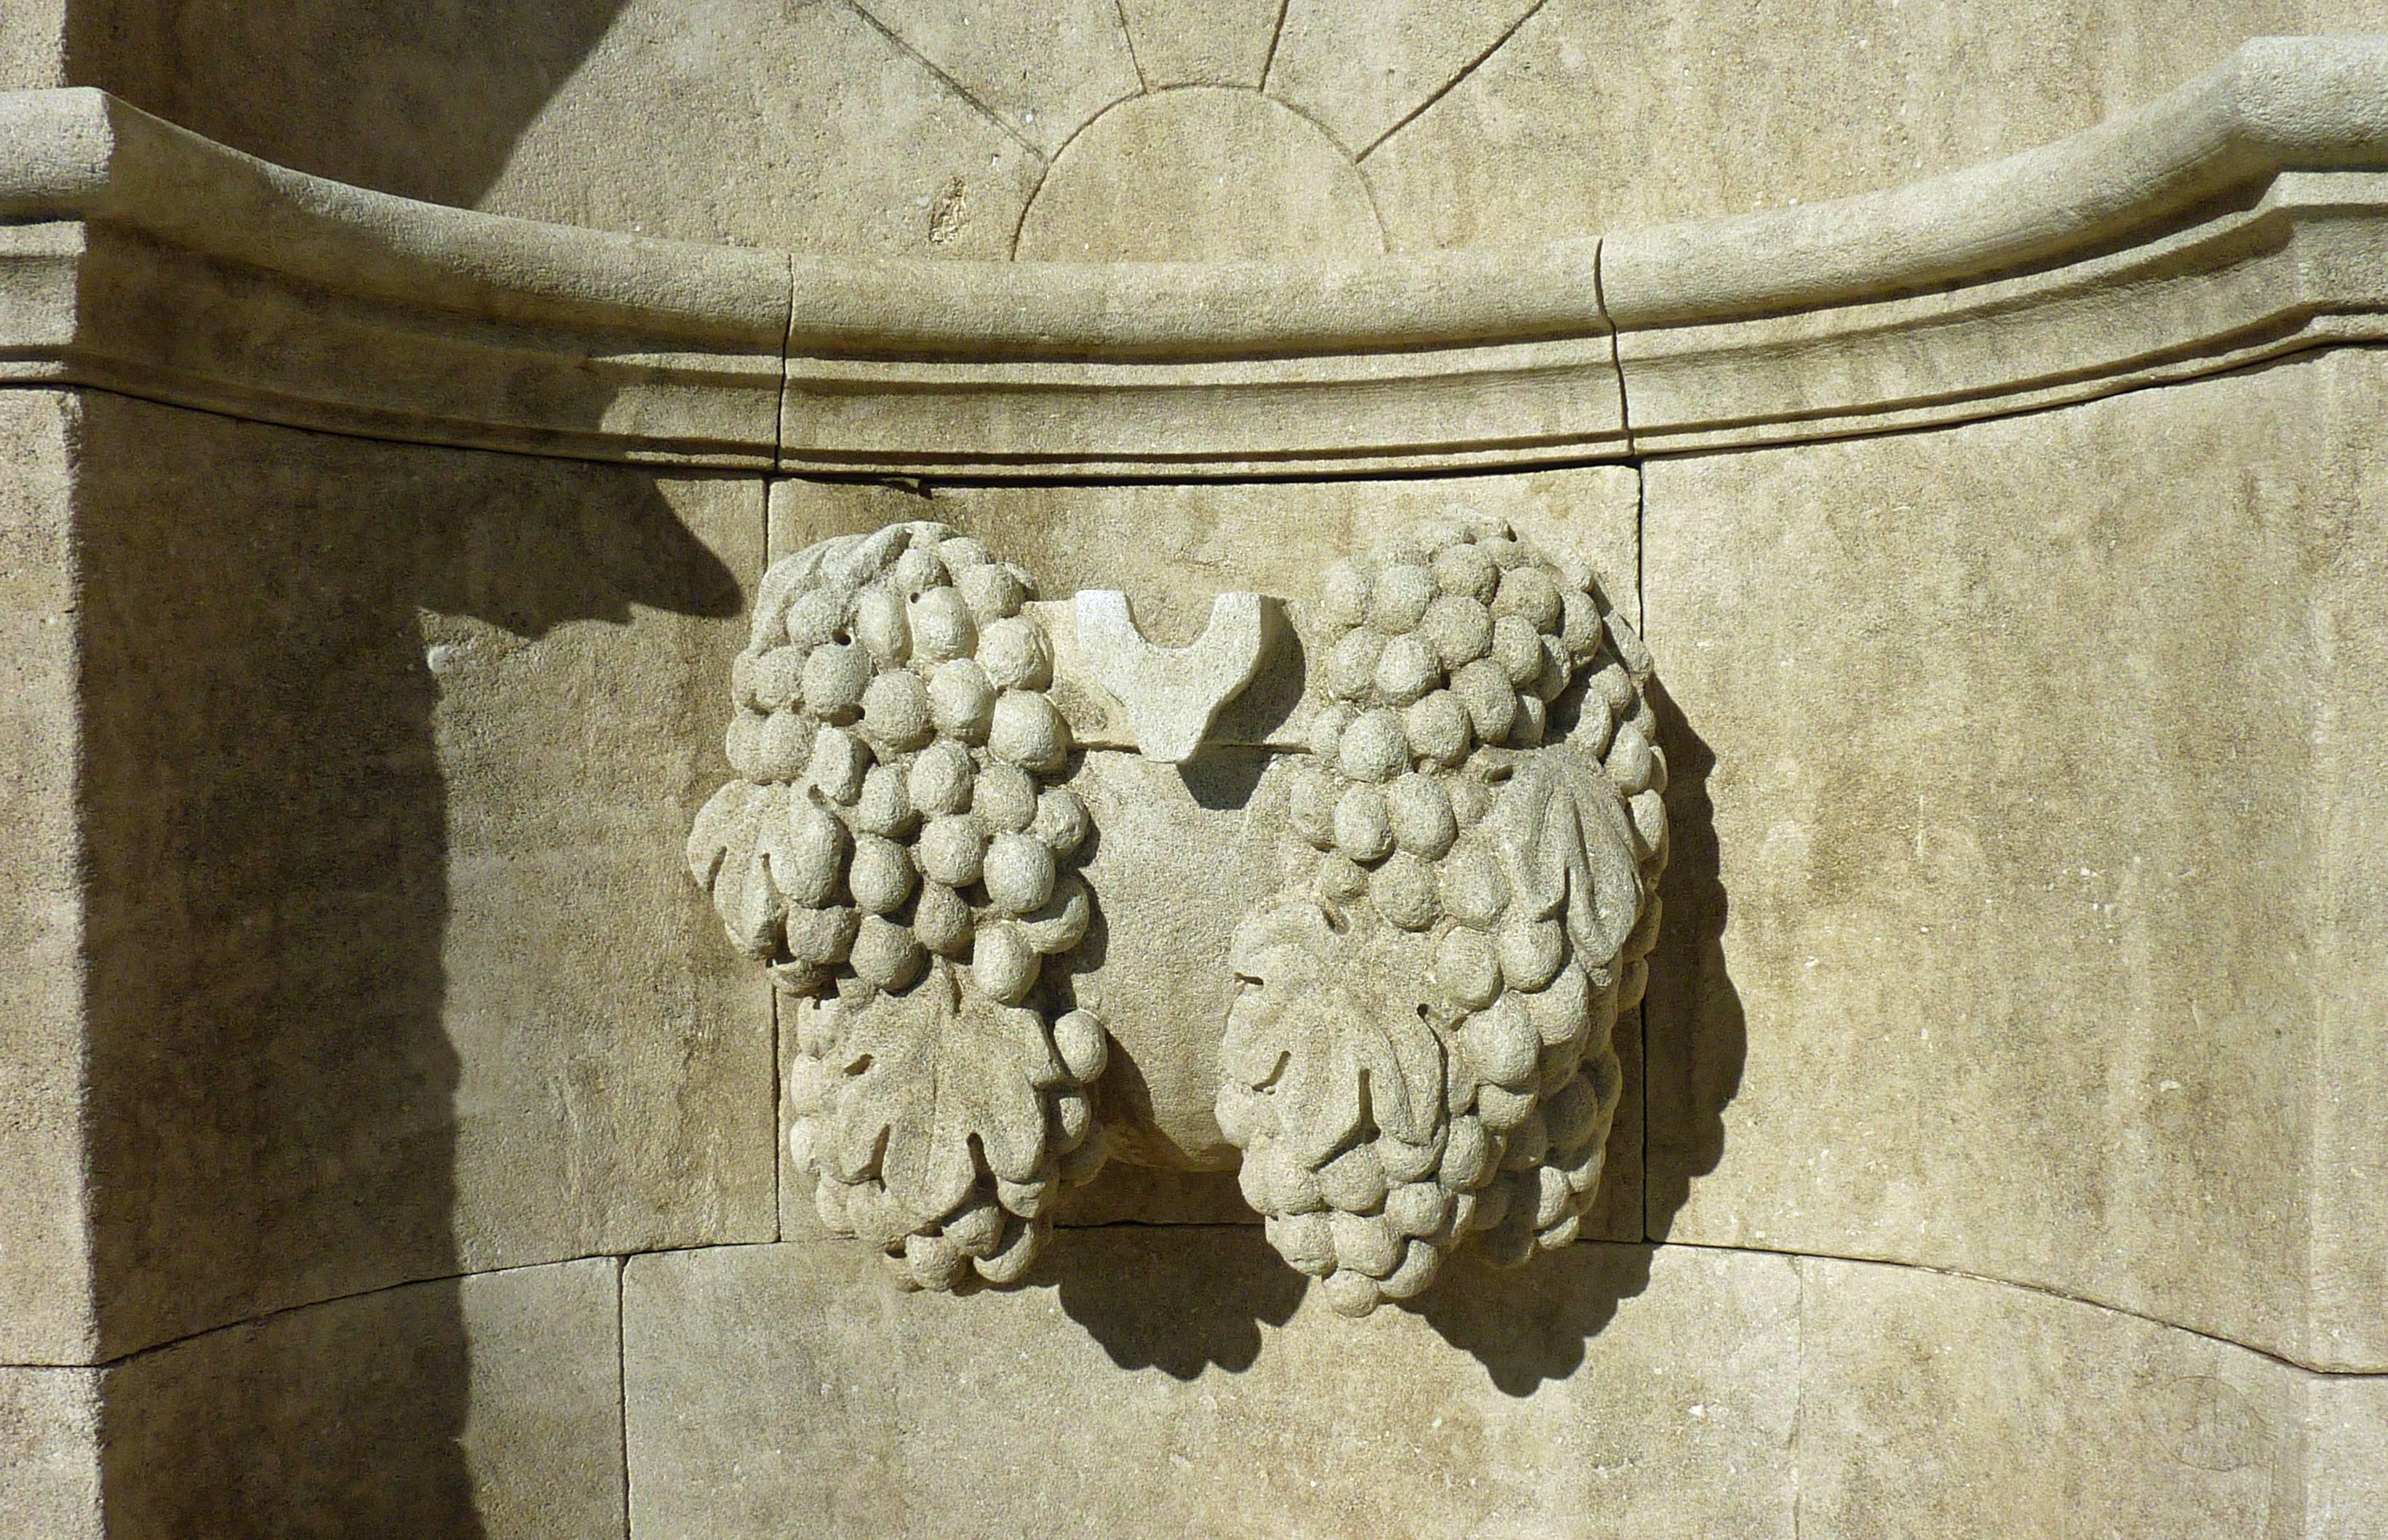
column 897, row 854
column 1421, row 1051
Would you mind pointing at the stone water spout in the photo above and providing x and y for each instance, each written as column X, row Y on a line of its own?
column 1172, row 694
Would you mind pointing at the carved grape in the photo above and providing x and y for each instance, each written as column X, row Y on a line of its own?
column 1487, row 871
column 903, row 725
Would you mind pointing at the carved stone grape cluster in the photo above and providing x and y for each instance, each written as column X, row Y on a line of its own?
column 1421, row 1051
column 898, row 854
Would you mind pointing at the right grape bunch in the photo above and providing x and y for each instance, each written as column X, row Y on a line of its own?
column 1420, row 1051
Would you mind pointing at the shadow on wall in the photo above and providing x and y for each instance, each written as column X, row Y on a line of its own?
column 1187, row 1299
column 1536, row 1323
column 274, row 1090
column 425, row 100
column 1194, row 1298
column 1695, row 1037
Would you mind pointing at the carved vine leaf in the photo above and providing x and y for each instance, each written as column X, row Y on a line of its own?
column 930, row 1073
column 1333, row 1032
column 1565, row 838
column 728, row 856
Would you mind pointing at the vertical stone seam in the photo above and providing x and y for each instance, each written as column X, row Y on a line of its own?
column 2326, row 765
column 1641, row 1012
column 1642, row 624
column 779, row 1143
column 622, row 1363
column 2305, row 1387
column 1798, row 1383
column 780, row 411
column 1617, row 367
column 79, row 856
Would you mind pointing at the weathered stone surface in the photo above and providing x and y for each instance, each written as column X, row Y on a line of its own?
column 842, row 140
column 2023, row 861
column 1043, row 71
column 486, row 1407
column 1597, row 117
column 33, row 46
column 46, row 1310
column 1363, row 69
column 2345, row 1435
column 49, row 1453
column 1122, row 1194
column 1942, row 1406
column 2228, row 223
column 383, row 93
column 1201, row 42
column 1183, row 859
column 1200, row 174
column 1181, row 1376
column 392, row 969
column 1588, row 118
column 542, row 1434
column 612, row 1092
column 790, row 1389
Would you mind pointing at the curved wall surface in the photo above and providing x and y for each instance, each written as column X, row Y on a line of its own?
column 921, row 127
column 392, row 1145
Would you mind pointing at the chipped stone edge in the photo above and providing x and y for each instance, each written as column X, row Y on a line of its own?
column 2240, row 218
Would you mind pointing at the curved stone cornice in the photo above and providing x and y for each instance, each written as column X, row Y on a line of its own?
column 2237, row 219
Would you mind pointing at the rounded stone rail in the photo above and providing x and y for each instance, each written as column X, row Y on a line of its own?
column 2239, row 218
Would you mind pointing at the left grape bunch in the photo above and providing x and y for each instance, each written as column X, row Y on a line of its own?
column 897, row 851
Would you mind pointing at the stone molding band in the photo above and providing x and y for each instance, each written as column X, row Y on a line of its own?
column 2244, row 216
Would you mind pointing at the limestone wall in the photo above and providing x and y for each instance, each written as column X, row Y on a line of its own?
column 929, row 129
column 390, row 1143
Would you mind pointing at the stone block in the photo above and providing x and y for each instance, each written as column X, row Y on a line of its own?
column 844, row 139
column 1365, row 68
column 1595, row 117
column 1201, row 175
column 487, row 1406
column 2024, row 859
column 790, row 1390
column 2345, row 1436
column 394, row 971
column 33, row 46
column 49, row 1454
column 46, row 1313
column 1201, row 42
column 1043, row 71
column 1941, row 1405
column 1183, row 1377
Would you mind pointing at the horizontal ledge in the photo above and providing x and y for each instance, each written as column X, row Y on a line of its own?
column 80, row 154
column 2239, row 218
column 2277, row 105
